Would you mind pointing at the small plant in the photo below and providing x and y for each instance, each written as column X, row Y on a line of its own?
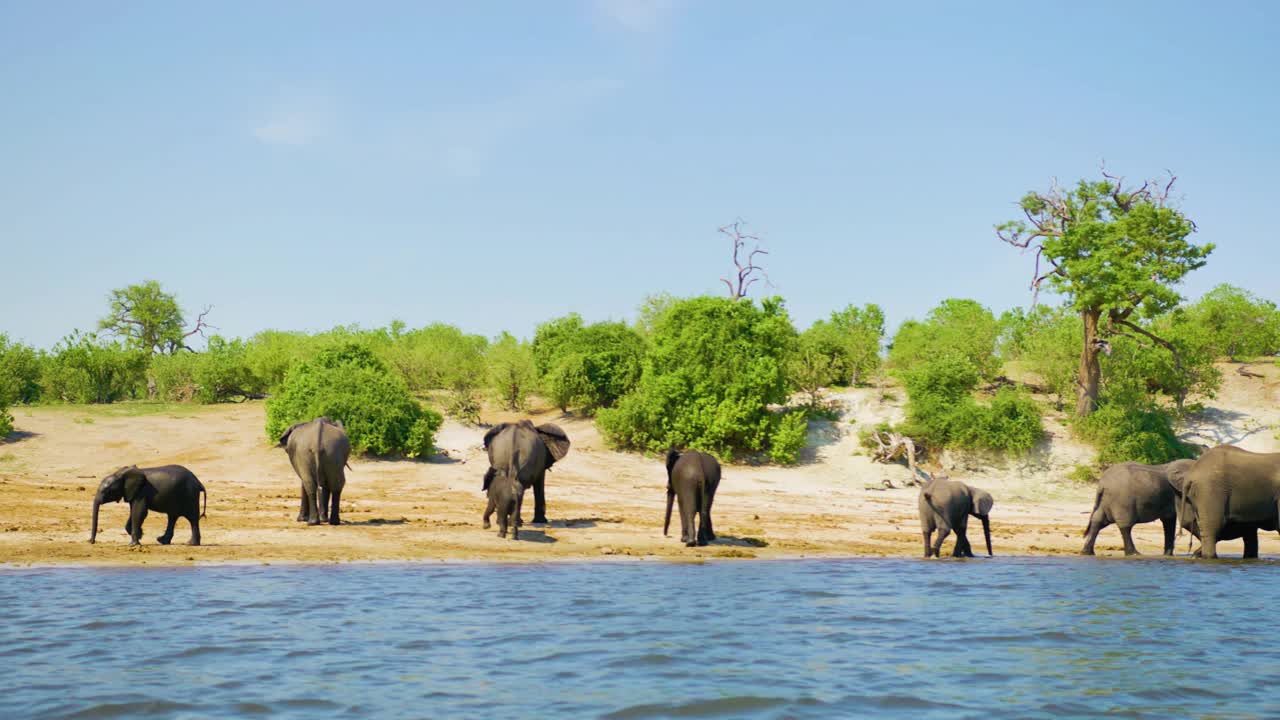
column 788, row 438
column 1083, row 475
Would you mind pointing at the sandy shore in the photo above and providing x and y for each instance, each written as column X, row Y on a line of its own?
column 603, row 504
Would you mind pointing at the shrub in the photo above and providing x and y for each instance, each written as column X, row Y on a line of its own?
column 788, row 438
column 1133, row 433
column 437, row 356
column 851, row 341
column 511, row 371
column 1238, row 323
column 174, row 376
column 1049, row 345
column 19, row 372
column 959, row 327
column 349, row 383
column 219, row 374
column 587, row 366
column 941, row 410
column 81, row 369
column 713, row 369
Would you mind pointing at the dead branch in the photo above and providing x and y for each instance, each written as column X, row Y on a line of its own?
column 1246, row 372
column 745, row 272
column 893, row 446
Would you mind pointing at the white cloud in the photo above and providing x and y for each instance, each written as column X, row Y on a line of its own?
column 641, row 16
column 295, row 121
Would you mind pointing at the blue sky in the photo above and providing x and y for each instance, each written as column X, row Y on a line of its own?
column 300, row 165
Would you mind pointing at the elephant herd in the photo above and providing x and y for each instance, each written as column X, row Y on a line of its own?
column 1227, row 493
column 520, row 453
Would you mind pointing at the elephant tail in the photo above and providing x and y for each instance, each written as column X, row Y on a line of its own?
column 204, row 507
column 671, row 497
column 1097, row 500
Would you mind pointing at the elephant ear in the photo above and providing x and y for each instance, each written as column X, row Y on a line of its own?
column 1176, row 474
column 982, row 502
column 673, row 456
column 493, row 433
column 136, row 485
column 556, row 441
column 284, row 439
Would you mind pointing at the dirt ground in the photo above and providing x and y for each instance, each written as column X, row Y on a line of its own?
column 603, row 504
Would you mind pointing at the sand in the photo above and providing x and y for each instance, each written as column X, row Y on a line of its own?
column 603, row 504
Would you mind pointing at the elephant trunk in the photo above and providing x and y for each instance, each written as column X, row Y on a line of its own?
column 986, row 532
column 666, row 524
column 93, row 531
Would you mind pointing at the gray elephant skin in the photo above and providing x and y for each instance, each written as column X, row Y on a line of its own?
column 318, row 451
column 506, row 496
column 692, row 478
column 170, row 489
column 945, row 506
column 525, row 452
column 1130, row 493
column 1236, row 490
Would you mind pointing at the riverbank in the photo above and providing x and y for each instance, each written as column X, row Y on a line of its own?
column 603, row 504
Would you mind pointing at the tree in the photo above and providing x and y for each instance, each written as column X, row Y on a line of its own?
column 1115, row 253
column 955, row 327
column 149, row 319
column 511, row 370
column 745, row 269
column 1240, row 323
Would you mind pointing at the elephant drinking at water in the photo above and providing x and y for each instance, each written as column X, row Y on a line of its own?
column 945, row 505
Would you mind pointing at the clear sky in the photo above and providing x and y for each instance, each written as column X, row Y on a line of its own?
column 300, row 165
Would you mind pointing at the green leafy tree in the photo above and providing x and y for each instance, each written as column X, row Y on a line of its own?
column 512, row 373
column 1050, row 342
column 714, row 368
column 587, row 366
column 349, row 383
column 942, row 412
column 954, row 327
column 851, row 339
column 1115, row 253
column 83, row 369
column 149, row 319
column 19, row 372
column 1239, row 323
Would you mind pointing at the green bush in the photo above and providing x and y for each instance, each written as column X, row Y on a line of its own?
column 1048, row 343
column 174, row 376
column 511, row 371
column 81, row 369
column 960, row 327
column 850, row 340
column 436, row 357
column 219, row 374
column 1127, row 433
column 1238, row 323
column 587, row 366
column 19, row 372
column 349, row 383
column 788, row 438
column 941, row 411
column 713, row 370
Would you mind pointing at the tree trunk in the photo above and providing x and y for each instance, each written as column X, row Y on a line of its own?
column 1090, row 371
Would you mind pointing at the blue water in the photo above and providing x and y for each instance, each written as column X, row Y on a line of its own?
column 1004, row 638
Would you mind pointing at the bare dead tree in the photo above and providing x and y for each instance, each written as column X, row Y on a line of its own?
column 200, row 327
column 745, row 271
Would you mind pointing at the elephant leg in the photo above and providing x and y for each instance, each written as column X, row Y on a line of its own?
column 488, row 510
column 194, row 519
column 962, row 548
column 323, row 504
column 688, row 516
column 167, row 537
column 137, row 513
column 302, row 504
column 943, row 532
column 928, row 551
column 539, row 501
column 1209, row 532
column 1126, row 532
column 313, row 512
column 1250, row 544
column 334, row 499
column 710, row 531
column 515, row 529
column 1170, row 531
column 503, row 521
column 1097, row 522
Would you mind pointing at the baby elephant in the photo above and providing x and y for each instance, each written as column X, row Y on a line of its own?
column 692, row 477
column 1130, row 493
column 506, row 495
column 171, row 489
column 946, row 505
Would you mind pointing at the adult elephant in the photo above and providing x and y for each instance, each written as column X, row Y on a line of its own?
column 525, row 452
column 1231, row 531
column 692, row 477
column 170, row 489
column 318, row 451
column 1130, row 493
column 1232, row 493
column 945, row 505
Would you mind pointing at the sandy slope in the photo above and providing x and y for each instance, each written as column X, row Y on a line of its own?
column 603, row 504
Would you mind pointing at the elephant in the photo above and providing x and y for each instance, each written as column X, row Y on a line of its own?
column 1232, row 530
column 319, row 451
column 1232, row 493
column 506, row 495
column 946, row 505
column 1130, row 493
column 693, row 477
column 170, row 489
column 525, row 452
